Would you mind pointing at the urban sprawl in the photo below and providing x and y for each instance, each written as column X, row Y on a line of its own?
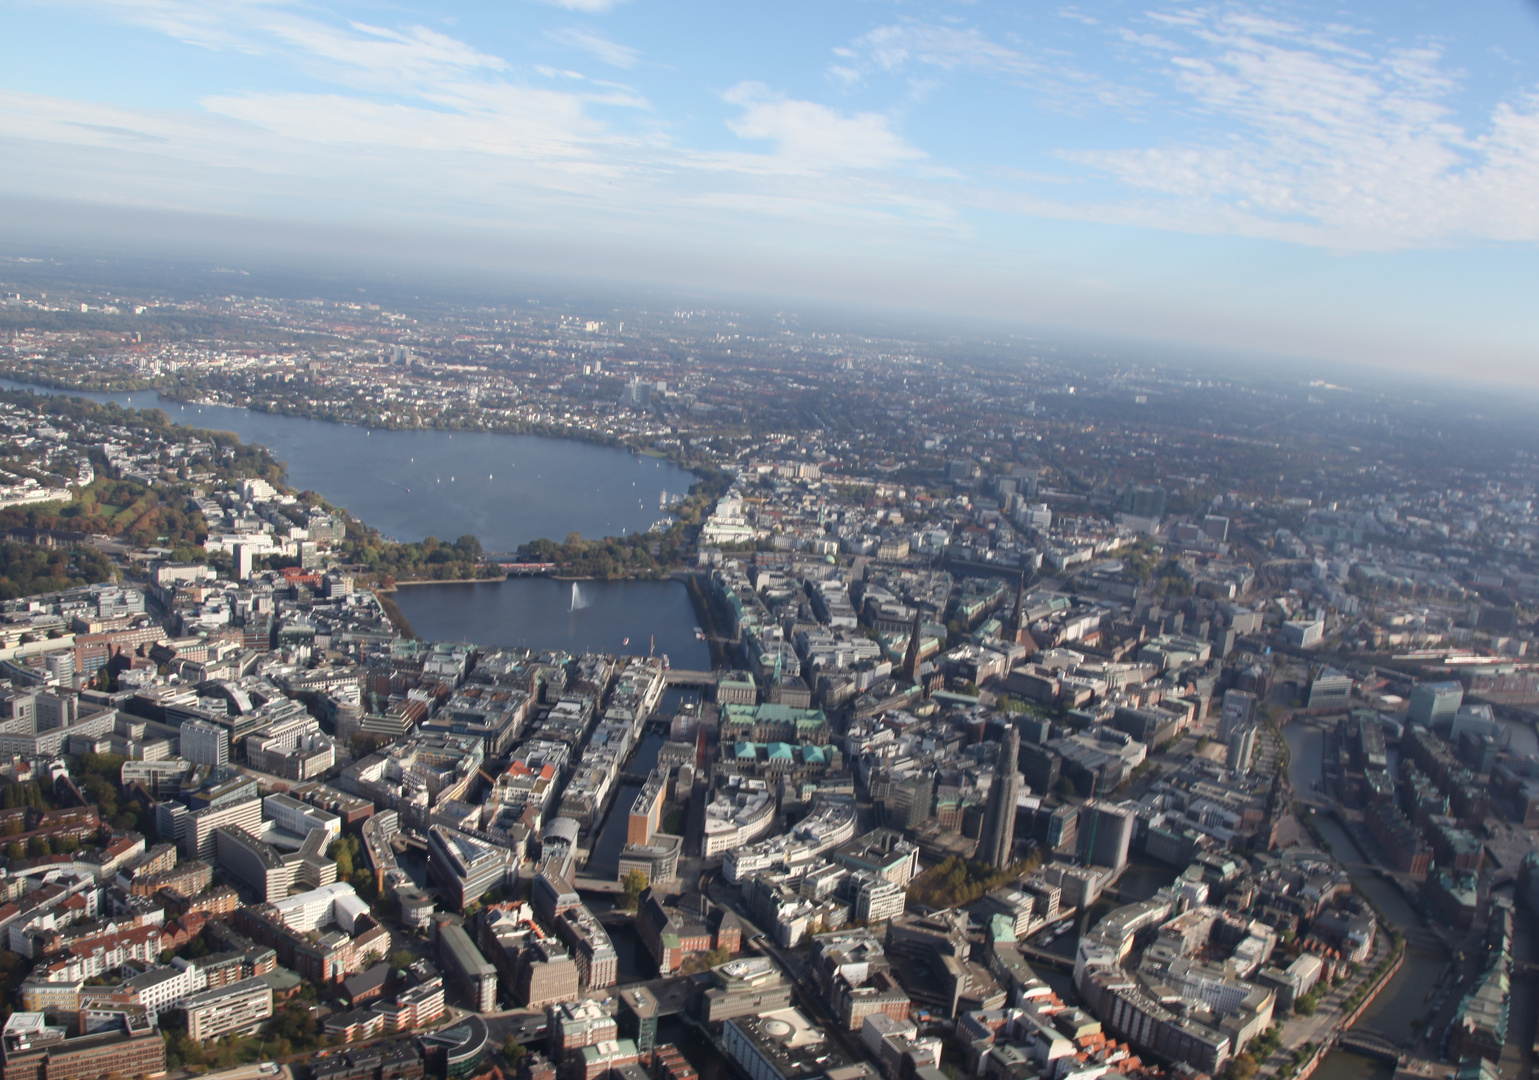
column 1065, row 719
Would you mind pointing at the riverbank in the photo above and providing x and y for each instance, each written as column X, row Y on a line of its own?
column 393, row 613
column 706, row 617
column 443, row 581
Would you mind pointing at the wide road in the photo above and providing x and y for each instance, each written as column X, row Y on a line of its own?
column 254, row 1071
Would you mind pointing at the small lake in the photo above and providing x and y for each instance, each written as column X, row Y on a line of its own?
column 630, row 617
column 505, row 489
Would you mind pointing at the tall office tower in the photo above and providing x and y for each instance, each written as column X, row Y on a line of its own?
column 999, row 816
column 1105, row 833
column 1239, row 708
column 1242, row 744
column 243, row 561
column 203, row 743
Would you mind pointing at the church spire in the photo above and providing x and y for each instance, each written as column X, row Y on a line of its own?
column 911, row 658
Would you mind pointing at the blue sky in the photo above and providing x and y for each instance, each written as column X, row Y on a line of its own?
column 1352, row 181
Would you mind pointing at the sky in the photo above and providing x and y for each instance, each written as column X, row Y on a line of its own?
column 1346, row 181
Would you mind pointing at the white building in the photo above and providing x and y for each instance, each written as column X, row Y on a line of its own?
column 326, row 906
column 298, row 818
column 203, row 743
column 240, row 1007
column 1303, row 633
column 738, row 817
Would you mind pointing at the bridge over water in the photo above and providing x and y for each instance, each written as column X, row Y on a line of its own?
column 1033, row 955
column 1370, row 1044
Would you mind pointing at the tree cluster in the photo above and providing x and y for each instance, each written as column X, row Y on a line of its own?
column 347, row 853
column 430, row 559
column 954, row 881
column 611, row 557
column 98, row 777
column 27, row 569
column 633, row 886
column 27, row 793
column 290, row 1031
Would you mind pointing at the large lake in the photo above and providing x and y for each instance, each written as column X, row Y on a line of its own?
column 630, row 617
column 505, row 489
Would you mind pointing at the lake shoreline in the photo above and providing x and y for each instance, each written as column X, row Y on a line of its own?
column 400, row 484
column 394, row 614
column 444, row 581
column 590, row 437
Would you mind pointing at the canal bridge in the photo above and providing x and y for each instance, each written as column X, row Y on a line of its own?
column 684, row 677
column 1042, row 957
column 1370, row 1044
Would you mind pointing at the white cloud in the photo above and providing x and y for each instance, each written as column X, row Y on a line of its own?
column 531, row 125
column 585, row 7
column 913, row 46
column 417, row 124
column 610, row 52
column 1314, row 134
column 903, row 45
column 809, row 135
column 1319, row 138
column 404, row 60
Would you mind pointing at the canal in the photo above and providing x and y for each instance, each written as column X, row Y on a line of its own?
column 1398, row 1011
column 604, row 857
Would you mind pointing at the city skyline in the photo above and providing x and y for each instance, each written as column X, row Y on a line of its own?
column 1284, row 177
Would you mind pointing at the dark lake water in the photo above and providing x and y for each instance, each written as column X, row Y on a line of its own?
column 505, row 489
column 535, row 612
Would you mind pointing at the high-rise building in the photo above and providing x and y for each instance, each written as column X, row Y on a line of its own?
column 465, row 866
column 204, row 743
column 1145, row 502
column 243, row 555
column 60, row 666
column 1239, row 708
column 999, row 817
column 1105, row 833
column 908, row 804
column 1435, row 703
column 463, row 964
column 1242, row 743
column 197, row 835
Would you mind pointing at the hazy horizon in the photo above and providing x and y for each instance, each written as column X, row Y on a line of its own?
column 1342, row 186
column 337, row 278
